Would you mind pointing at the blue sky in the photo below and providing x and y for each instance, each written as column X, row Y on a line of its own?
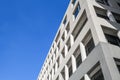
column 27, row 29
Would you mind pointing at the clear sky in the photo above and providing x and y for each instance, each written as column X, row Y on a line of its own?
column 27, row 29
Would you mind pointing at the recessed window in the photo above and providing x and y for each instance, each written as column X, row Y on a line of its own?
column 118, row 4
column 63, row 52
column 82, row 78
column 57, row 78
column 101, row 13
column 59, row 46
column 117, row 61
column 88, row 43
column 73, row 2
column 58, row 62
column 111, row 36
column 103, row 2
column 54, row 69
column 68, row 27
column 63, row 36
column 70, row 71
column 89, row 46
column 96, row 73
column 112, row 39
column 65, row 20
column 77, row 10
column 58, row 35
column 77, row 56
column 63, row 74
column 116, row 16
column 68, row 44
column 82, row 21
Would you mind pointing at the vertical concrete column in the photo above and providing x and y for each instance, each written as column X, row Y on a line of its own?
column 66, row 50
column 66, row 73
column 110, row 16
column 83, row 55
column 71, row 39
column 65, row 34
column 55, row 67
column 73, row 63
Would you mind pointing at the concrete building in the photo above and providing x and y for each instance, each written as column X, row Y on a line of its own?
column 87, row 44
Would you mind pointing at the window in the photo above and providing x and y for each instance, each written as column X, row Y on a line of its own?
column 96, row 73
column 68, row 28
column 65, row 20
column 88, row 43
column 59, row 46
column 101, row 13
column 76, row 10
column 58, row 62
column 58, row 35
column 116, row 16
column 69, row 64
column 77, row 55
column 63, row 36
column 68, row 44
column 103, row 2
column 117, row 61
column 112, row 39
column 63, row 74
column 82, row 78
column 82, row 21
column 63, row 52
column 118, row 4
column 57, row 78
column 54, row 69
column 73, row 2
column 89, row 46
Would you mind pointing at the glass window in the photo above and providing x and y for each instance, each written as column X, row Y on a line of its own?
column 73, row 2
column 117, row 17
column 65, row 20
column 95, row 72
column 77, row 55
column 76, row 10
column 63, row 36
column 112, row 39
column 63, row 53
column 79, row 25
column 98, row 76
column 101, row 13
column 103, row 2
column 89, row 46
column 118, row 4
column 58, row 62
column 68, row 28
column 69, row 64
column 117, row 63
column 63, row 73
column 68, row 44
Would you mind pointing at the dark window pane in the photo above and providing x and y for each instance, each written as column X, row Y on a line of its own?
column 98, row 76
column 78, row 60
column 89, row 46
column 119, row 4
column 116, row 16
column 112, row 39
column 103, row 2
column 70, row 70
column 76, row 11
column 73, row 2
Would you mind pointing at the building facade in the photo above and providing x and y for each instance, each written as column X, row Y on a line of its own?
column 87, row 44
